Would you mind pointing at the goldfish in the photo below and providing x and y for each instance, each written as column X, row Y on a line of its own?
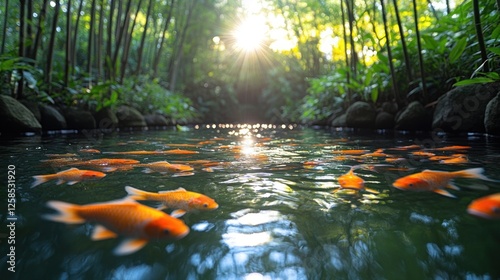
column 137, row 153
column 352, row 181
column 455, row 160
column 180, row 199
column 423, row 154
column 89, row 151
column 436, row 181
column 377, row 153
column 165, row 166
column 452, row 148
column 404, row 148
column 110, row 164
column 486, row 207
column 180, row 152
column 136, row 222
column 183, row 145
column 66, row 155
column 72, row 176
column 350, row 152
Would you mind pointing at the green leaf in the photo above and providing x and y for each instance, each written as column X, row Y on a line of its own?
column 457, row 50
column 495, row 50
column 478, row 80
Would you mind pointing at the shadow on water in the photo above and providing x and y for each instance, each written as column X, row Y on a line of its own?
column 276, row 219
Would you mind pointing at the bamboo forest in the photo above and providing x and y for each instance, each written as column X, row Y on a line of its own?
column 215, row 61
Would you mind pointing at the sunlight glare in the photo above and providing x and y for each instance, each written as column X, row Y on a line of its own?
column 250, row 34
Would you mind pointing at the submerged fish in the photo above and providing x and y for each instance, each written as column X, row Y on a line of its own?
column 165, row 166
column 72, row 176
column 452, row 148
column 180, row 199
column 436, row 181
column 110, row 164
column 350, row 152
column 136, row 222
column 486, row 207
column 352, row 181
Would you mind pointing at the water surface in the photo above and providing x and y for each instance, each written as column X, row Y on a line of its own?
column 277, row 219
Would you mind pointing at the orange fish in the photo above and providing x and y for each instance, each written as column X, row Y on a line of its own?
column 350, row 152
column 404, row 148
column 61, row 155
column 89, row 151
column 136, row 222
column 422, row 154
column 165, row 166
column 180, row 199
column 486, row 207
column 110, row 164
column 352, row 181
column 377, row 153
column 64, row 161
column 72, row 176
column 455, row 160
column 180, row 152
column 436, row 181
column 452, row 148
column 136, row 153
column 183, row 145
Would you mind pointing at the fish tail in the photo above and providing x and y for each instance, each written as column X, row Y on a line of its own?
column 68, row 213
column 136, row 194
column 40, row 179
column 476, row 173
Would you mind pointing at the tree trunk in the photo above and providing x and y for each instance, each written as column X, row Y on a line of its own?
column 480, row 38
column 403, row 42
column 162, row 39
column 4, row 28
column 419, row 45
column 67, row 64
column 123, row 30
column 50, row 49
column 389, row 54
column 348, row 75
column 128, row 42
column 108, row 68
column 91, row 41
column 100, row 41
column 39, row 31
column 75, row 35
column 143, row 39
column 22, row 23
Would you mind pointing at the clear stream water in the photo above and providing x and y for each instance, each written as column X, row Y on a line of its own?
column 276, row 219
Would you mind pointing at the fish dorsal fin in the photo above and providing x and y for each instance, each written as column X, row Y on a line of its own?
column 176, row 190
column 72, row 182
column 71, row 169
column 129, row 246
column 444, row 192
column 100, row 233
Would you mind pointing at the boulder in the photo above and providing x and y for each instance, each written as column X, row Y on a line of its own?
column 105, row 119
column 16, row 117
column 360, row 114
column 492, row 116
column 51, row 118
column 79, row 119
column 413, row 117
column 129, row 117
column 153, row 120
column 462, row 109
column 33, row 107
column 384, row 120
column 339, row 121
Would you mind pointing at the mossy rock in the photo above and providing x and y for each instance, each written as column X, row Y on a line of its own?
column 153, row 120
column 360, row 115
column 130, row 117
column 16, row 117
column 79, row 119
column 52, row 119
column 492, row 116
column 105, row 119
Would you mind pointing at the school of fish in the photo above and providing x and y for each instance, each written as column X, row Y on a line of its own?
column 137, row 224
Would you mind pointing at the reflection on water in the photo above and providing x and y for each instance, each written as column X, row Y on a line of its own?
column 277, row 218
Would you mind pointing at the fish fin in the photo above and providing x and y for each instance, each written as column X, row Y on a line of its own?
column 60, row 181
column 178, row 213
column 109, row 169
column 147, row 171
column 40, row 179
column 176, row 190
column 72, row 182
column 161, row 207
column 100, row 233
column 372, row 191
column 474, row 173
column 129, row 246
column 67, row 213
column 452, row 186
column 444, row 192
column 135, row 194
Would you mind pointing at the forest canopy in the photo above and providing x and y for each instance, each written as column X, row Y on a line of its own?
column 250, row 60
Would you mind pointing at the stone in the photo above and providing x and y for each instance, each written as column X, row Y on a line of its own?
column 492, row 116
column 129, row 117
column 105, row 119
column 16, row 117
column 413, row 117
column 384, row 120
column 360, row 115
column 33, row 107
column 51, row 118
column 339, row 121
column 79, row 119
column 153, row 120
column 462, row 109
